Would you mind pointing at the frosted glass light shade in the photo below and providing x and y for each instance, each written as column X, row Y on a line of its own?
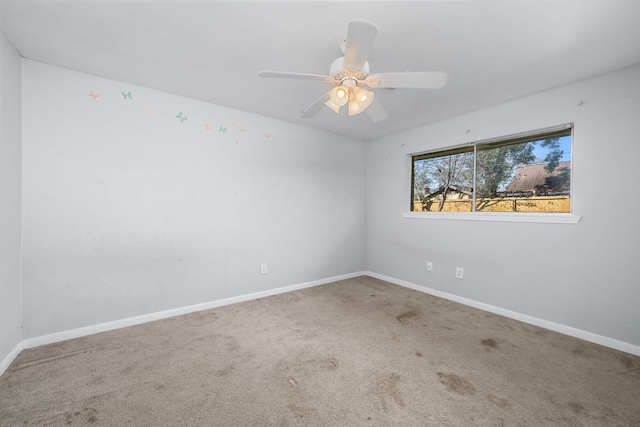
column 339, row 95
column 355, row 107
column 333, row 106
column 364, row 97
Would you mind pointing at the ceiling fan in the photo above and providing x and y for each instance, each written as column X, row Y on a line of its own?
column 350, row 77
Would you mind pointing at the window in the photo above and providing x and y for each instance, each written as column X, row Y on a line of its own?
column 528, row 173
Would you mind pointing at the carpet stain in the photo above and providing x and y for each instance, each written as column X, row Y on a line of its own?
column 489, row 343
column 576, row 407
column 224, row 371
column 627, row 362
column 300, row 411
column 387, row 385
column 86, row 416
column 455, row 383
column 630, row 365
column 298, row 399
column 314, row 365
column 332, row 363
column 540, row 333
column 413, row 314
column 502, row 403
column 418, row 354
column 579, row 350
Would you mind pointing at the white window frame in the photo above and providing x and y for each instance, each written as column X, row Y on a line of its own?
column 543, row 217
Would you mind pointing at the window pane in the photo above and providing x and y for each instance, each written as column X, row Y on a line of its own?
column 443, row 181
column 529, row 176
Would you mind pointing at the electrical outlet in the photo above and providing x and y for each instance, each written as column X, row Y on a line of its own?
column 459, row 273
column 263, row 268
column 429, row 266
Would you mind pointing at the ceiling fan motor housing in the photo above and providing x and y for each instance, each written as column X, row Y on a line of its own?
column 341, row 74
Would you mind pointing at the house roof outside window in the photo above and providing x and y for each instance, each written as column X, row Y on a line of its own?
column 537, row 180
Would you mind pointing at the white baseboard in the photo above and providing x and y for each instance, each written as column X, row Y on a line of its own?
column 122, row 323
column 10, row 357
column 563, row 329
column 131, row 321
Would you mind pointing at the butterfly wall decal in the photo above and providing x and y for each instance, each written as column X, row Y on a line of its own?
column 181, row 117
column 222, row 129
column 127, row 95
column 93, row 94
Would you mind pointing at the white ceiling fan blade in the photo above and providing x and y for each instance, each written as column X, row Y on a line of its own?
column 360, row 36
column 376, row 112
column 313, row 109
column 297, row 76
column 418, row 80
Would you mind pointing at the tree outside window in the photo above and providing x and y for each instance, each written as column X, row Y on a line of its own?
column 522, row 174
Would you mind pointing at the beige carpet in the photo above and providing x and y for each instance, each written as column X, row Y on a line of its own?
column 359, row 352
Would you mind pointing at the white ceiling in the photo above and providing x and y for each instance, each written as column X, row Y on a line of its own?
column 493, row 50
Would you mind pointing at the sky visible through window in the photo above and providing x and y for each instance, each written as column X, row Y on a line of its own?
column 565, row 146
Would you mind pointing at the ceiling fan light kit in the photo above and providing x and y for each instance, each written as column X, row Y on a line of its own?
column 348, row 93
column 339, row 95
column 350, row 73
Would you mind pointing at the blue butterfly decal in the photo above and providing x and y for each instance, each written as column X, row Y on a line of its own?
column 127, row 95
column 181, row 117
column 222, row 129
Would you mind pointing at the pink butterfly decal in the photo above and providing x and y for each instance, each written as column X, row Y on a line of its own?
column 207, row 127
column 266, row 135
column 93, row 94
column 243, row 130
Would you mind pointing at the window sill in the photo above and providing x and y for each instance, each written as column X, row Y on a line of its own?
column 552, row 218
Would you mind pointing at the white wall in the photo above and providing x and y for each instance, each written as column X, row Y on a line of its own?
column 128, row 210
column 10, row 155
column 583, row 276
